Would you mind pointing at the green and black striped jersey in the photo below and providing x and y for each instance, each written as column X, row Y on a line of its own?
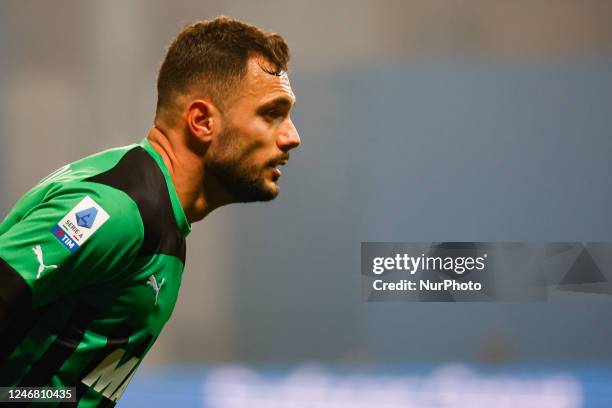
column 91, row 261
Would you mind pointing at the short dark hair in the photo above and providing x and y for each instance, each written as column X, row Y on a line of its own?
column 214, row 54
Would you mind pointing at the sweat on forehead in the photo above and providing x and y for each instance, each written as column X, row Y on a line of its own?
column 260, row 69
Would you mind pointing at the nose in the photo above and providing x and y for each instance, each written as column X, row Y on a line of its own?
column 289, row 138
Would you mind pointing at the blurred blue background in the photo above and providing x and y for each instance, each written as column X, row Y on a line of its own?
column 420, row 121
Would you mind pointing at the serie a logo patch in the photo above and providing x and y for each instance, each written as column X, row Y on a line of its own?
column 80, row 224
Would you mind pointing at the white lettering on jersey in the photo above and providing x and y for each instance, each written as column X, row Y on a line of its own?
column 110, row 378
column 62, row 171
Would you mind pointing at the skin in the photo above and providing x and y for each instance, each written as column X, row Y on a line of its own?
column 212, row 155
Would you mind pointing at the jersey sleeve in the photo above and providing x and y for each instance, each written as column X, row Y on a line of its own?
column 79, row 236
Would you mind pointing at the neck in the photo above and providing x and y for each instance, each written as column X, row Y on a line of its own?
column 186, row 168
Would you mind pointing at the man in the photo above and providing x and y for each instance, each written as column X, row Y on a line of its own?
column 91, row 258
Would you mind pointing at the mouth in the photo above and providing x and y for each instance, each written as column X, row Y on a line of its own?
column 275, row 168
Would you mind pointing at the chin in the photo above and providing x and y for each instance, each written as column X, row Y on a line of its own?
column 263, row 190
column 272, row 190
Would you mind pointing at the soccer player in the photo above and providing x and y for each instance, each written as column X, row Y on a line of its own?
column 91, row 258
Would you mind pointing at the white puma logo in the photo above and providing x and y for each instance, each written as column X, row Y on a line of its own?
column 39, row 256
column 152, row 282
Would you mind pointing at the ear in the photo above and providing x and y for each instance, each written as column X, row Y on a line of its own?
column 203, row 120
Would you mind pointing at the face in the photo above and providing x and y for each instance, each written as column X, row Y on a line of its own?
column 256, row 138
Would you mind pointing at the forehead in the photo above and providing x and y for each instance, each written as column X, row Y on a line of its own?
column 261, row 86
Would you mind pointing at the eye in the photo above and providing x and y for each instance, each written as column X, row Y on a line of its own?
column 274, row 113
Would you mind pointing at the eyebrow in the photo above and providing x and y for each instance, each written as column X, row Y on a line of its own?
column 281, row 101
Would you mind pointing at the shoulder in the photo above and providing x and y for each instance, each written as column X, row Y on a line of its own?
column 94, row 212
column 89, row 234
column 138, row 176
